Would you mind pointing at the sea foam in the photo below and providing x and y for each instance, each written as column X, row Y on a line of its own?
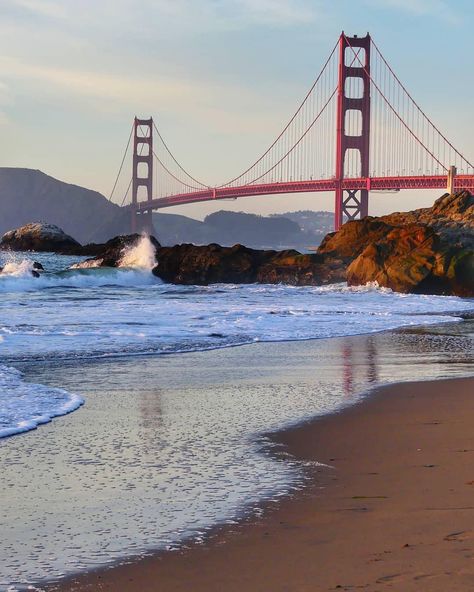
column 141, row 255
column 24, row 405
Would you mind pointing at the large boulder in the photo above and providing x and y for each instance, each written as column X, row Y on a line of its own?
column 349, row 242
column 414, row 258
column 38, row 236
column 429, row 251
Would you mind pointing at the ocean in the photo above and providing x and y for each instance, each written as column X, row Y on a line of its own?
column 129, row 422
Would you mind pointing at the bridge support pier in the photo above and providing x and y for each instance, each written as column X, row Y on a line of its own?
column 451, row 178
column 142, row 176
column 353, row 95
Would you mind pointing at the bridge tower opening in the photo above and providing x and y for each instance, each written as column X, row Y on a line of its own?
column 142, row 177
column 353, row 95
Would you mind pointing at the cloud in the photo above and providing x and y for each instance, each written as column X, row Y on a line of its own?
column 5, row 101
column 271, row 12
column 197, row 15
column 217, row 106
column 433, row 8
column 44, row 8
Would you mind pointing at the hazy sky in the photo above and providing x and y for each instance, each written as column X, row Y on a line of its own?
column 221, row 77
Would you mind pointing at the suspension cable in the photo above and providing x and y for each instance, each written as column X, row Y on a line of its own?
column 121, row 165
column 392, row 108
column 174, row 159
column 298, row 142
column 288, row 124
column 418, row 107
column 174, row 176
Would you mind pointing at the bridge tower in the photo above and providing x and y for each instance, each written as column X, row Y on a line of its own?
column 142, row 174
column 352, row 203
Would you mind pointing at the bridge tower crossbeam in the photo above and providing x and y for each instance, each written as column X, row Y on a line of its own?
column 142, row 174
column 356, row 202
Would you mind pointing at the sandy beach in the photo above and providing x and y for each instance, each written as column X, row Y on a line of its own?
column 393, row 510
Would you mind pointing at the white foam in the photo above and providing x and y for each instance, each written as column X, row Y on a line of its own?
column 141, row 255
column 24, row 406
column 18, row 269
column 134, row 270
column 75, row 278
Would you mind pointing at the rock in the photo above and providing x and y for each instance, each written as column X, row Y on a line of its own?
column 353, row 237
column 192, row 264
column 429, row 251
column 112, row 253
column 425, row 251
column 38, row 236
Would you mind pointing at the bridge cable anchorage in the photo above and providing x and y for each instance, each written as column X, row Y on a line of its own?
column 121, row 164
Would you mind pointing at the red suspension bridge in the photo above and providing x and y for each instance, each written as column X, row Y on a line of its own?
column 357, row 130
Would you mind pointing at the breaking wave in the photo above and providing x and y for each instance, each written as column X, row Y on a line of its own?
column 24, row 405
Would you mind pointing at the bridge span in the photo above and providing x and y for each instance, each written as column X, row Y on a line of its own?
column 357, row 130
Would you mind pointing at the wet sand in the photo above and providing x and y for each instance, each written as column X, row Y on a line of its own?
column 393, row 511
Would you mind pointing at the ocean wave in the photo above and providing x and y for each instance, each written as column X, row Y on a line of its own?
column 25, row 405
column 23, row 281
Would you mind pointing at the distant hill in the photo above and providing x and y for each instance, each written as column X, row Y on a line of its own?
column 319, row 223
column 28, row 195
column 228, row 228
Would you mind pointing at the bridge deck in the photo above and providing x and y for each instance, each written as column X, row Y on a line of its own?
column 320, row 185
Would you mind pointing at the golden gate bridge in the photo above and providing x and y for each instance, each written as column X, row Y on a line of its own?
column 357, row 130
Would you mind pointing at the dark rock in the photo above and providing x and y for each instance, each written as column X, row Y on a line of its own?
column 112, row 252
column 191, row 264
column 38, row 236
column 429, row 251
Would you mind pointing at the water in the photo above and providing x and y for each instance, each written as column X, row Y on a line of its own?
column 88, row 313
column 165, row 447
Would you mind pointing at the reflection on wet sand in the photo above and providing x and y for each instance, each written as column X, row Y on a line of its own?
column 167, row 446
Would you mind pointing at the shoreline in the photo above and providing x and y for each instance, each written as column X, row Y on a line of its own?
column 291, row 533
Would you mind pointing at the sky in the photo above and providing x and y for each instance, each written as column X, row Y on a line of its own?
column 220, row 77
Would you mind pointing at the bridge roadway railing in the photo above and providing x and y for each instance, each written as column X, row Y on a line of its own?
column 321, row 185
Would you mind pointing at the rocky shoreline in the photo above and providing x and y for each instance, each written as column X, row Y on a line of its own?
column 424, row 251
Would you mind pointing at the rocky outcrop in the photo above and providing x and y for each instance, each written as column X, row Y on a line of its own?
column 427, row 251
column 113, row 252
column 38, row 236
column 191, row 264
